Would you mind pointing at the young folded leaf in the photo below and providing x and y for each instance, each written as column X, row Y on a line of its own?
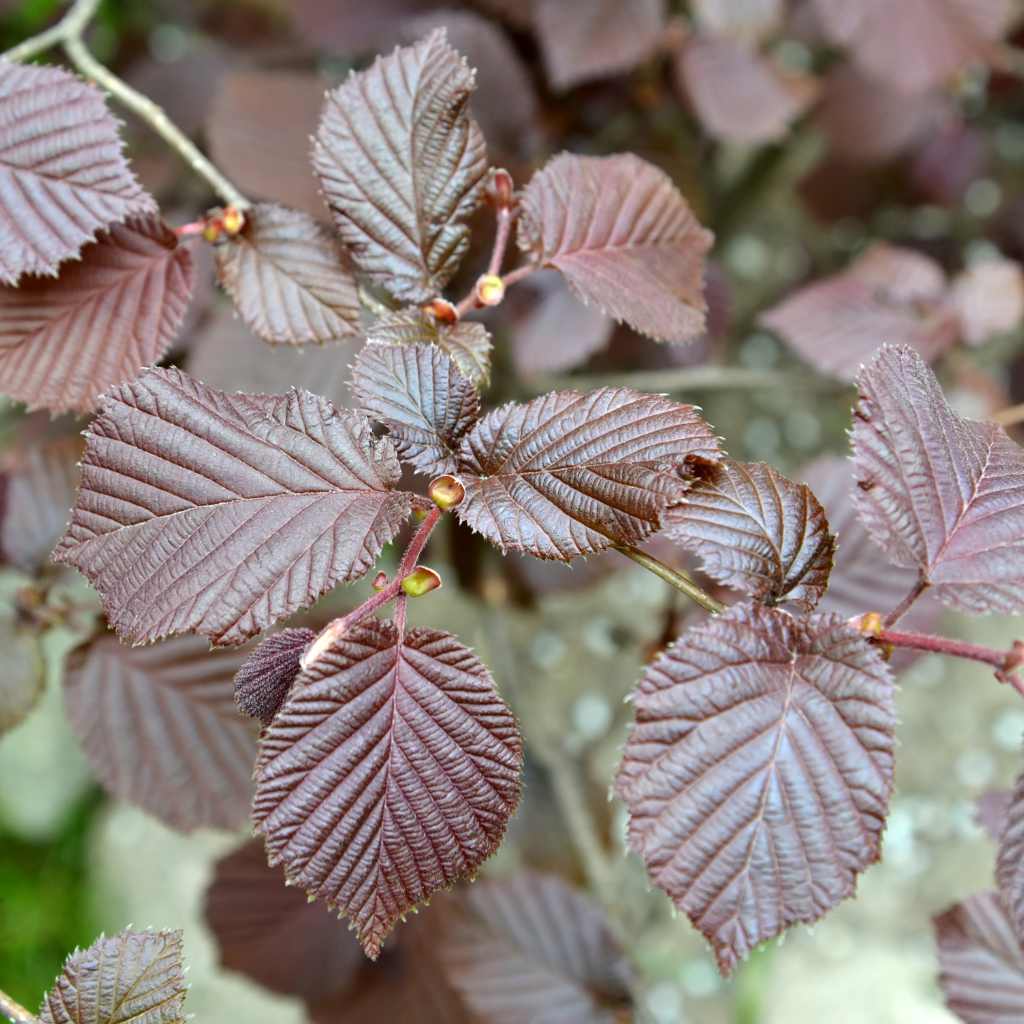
column 757, row 531
column 288, row 278
column 402, row 165
column 759, row 771
column 219, row 514
column 418, row 393
column 65, row 341
column 132, row 976
column 391, row 771
column 570, row 474
column 1010, row 860
column 624, row 238
column 263, row 681
column 63, row 177
column 941, row 494
column 160, row 729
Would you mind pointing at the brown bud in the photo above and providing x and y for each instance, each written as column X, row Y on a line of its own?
column 446, row 491
column 422, row 580
column 442, row 311
column 380, row 581
column 502, row 189
column 490, row 290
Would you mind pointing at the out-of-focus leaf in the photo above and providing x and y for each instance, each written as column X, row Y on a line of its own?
column 749, row 20
column 24, row 673
column 939, row 493
column 418, row 393
column 915, row 45
column 288, row 278
column 838, row 322
column 352, row 28
column 135, row 977
column 757, row 531
column 263, row 681
column 989, row 298
column 271, row 933
column 467, row 342
column 955, row 154
column 223, row 513
column 65, row 341
column 589, row 39
column 402, row 166
column 531, row 948
column 759, row 771
column 160, row 728
column 570, row 474
column 63, row 176
column 624, row 238
column 981, row 965
column 738, row 94
column 991, row 810
column 1010, row 859
column 390, row 772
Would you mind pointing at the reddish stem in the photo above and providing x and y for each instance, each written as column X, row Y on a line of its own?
column 500, row 240
column 905, row 605
column 196, row 227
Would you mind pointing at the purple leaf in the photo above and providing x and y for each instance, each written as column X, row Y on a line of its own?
column 390, row 772
column 569, row 474
column 263, row 681
column 989, row 299
column 749, row 20
column 352, row 28
column 939, row 493
column 64, row 342
column 402, row 166
column 132, row 976
column 219, row 514
column 980, row 961
column 624, row 238
column 289, row 279
column 759, row 771
column 63, row 176
column 1010, row 859
column 531, row 948
column 418, row 393
column 991, row 810
column 757, row 531
column 160, row 729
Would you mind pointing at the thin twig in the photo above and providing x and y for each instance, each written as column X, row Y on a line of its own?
column 14, row 1011
column 1010, row 416
column 905, row 605
column 675, row 577
column 505, row 217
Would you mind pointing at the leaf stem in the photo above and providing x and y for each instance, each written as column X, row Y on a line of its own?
column 14, row 1011
column 905, row 605
column 675, row 577
column 1010, row 416
column 505, row 217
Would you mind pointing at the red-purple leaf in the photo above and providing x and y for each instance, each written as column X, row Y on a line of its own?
column 888, row 293
column 589, row 39
column 467, row 342
column 759, row 771
column 263, row 681
column 160, row 729
column 219, row 514
column 417, row 392
column 352, row 28
column 402, row 166
column 991, row 810
column 390, row 772
column 530, row 948
column 1010, row 860
column 63, row 177
column 289, row 279
column 989, row 299
column 273, row 934
column 757, row 531
column 981, row 962
column 749, row 20
column 939, row 493
column 624, row 238
column 133, row 977
column 569, row 474
column 64, row 342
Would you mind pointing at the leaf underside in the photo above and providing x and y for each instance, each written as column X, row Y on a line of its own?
column 941, row 494
column 219, row 514
column 263, row 681
column 759, row 770
column 390, row 772
column 569, row 474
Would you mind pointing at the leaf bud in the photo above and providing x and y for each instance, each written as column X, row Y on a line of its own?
column 213, row 230
column 502, row 188
column 490, row 290
column 442, row 311
column 232, row 220
column 446, row 492
column 422, row 580
column 380, row 581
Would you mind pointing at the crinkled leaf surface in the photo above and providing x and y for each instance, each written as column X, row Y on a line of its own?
column 569, row 474
column 65, row 341
column 160, row 728
column 289, row 279
column 263, row 681
column 418, row 393
column 63, row 176
column 940, row 494
column 531, row 948
column 625, row 239
column 272, row 934
column 759, row 771
column 130, row 978
column 981, row 965
column 219, row 514
column 467, row 342
column 390, row 772
column 1010, row 860
column 402, row 166
column 757, row 531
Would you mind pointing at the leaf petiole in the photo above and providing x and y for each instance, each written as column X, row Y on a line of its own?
column 14, row 1011
column 674, row 577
